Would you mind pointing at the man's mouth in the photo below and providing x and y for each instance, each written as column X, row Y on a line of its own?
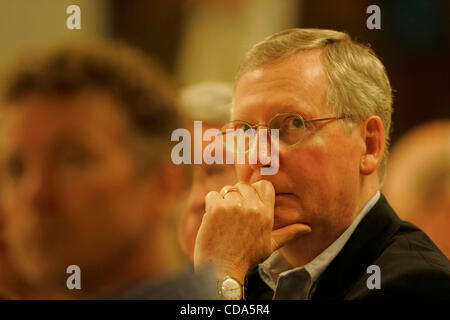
column 279, row 194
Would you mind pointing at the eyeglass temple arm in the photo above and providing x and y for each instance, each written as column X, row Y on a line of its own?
column 345, row 116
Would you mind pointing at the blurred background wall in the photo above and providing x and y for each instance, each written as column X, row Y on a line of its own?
column 26, row 24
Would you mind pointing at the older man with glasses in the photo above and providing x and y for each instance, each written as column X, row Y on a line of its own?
column 318, row 228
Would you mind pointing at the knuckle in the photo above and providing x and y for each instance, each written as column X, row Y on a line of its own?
column 266, row 184
column 216, row 207
column 253, row 210
column 209, row 196
column 219, row 207
column 236, row 206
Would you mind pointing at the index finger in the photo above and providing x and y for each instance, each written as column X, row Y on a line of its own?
column 266, row 192
column 250, row 195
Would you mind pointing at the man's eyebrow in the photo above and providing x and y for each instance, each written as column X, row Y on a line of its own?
column 302, row 108
column 290, row 107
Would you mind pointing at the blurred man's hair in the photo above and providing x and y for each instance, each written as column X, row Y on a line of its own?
column 359, row 84
column 141, row 90
column 207, row 101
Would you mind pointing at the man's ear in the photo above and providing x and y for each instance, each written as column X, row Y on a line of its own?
column 372, row 131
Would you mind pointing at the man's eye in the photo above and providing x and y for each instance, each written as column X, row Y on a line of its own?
column 297, row 123
column 15, row 168
column 242, row 128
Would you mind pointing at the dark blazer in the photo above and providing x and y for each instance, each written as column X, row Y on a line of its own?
column 410, row 263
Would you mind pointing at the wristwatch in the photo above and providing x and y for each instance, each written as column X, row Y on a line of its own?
column 231, row 289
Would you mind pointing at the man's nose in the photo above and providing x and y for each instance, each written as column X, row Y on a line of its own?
column 259, row 153
column 40, row 190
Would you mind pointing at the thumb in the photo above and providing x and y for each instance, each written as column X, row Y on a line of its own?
column 285, row 234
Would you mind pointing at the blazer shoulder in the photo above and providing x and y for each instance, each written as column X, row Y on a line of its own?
column 415, row 249
column 410, row 266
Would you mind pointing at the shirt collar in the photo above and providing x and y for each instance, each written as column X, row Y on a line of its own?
column 276, row 266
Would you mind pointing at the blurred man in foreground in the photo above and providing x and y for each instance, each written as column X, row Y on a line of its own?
column 87, row 179
column 209, row 102
column 418, row 180
column 319, row 228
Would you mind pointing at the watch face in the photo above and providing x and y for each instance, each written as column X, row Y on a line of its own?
column 231, row 289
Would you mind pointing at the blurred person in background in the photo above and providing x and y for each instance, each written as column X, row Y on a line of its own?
column 87, row 178
column 209, row 102
column 418, row 180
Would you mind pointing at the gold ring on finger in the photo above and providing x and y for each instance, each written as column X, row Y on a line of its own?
column 224, row 193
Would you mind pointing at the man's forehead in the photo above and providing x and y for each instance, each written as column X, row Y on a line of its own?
column 306, row 65
column 84, row 106
column 297, row 83
column 46, row 116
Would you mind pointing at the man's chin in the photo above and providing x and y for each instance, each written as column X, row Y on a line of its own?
column 43, row 268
